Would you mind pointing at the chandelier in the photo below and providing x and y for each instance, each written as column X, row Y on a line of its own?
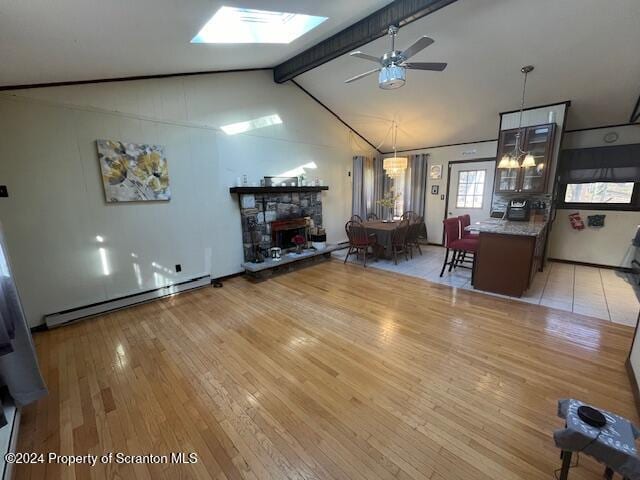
column 512, row 159
column 395, row 166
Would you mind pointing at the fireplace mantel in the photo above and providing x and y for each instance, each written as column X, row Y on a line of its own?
column 254, row 190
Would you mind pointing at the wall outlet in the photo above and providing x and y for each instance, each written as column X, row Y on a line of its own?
column 178, row 267
column 3, row 191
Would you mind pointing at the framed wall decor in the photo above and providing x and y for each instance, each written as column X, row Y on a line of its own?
column 435, row 172
column 133, row 172
column 435, row 189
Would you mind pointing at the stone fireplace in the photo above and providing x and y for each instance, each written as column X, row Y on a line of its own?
column 272, row 219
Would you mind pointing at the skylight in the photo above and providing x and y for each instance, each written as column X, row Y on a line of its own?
column 243, row 25
column 241, row 127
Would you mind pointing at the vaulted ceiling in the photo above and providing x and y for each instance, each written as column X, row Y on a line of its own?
column 45, row 41
column 583, row 51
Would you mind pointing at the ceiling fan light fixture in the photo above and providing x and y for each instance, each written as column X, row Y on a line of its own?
column 392, row 77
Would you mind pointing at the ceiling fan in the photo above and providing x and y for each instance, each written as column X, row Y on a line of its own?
column 393, row 64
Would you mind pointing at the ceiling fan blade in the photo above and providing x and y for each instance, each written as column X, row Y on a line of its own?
column 436, row 67
column 420, row 44
column 358, row 77
column 365, row 56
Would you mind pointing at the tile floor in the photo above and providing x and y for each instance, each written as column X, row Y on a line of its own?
column 596, row 292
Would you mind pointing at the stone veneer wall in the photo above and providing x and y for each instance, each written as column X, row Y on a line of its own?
column 259, row 210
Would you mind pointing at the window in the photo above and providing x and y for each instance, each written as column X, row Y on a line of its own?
column 244, row 25
column 599, row 192
column 470, row 188
column 600, row 178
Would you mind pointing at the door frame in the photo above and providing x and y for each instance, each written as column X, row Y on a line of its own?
column 457, row 162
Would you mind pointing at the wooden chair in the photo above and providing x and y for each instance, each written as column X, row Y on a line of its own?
column 399, row 241
column 409, row 215
column 416, row 229
column 355, row 218
column 372, row 217
column 360, row 240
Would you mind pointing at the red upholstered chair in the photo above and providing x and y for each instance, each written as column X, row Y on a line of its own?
column 460, row 246
column 465, row 221
column 359, row 240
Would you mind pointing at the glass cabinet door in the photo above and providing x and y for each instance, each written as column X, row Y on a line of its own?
column 507, row 178
column 538, row 142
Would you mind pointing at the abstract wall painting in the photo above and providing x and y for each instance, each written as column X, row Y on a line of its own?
column 133, row 172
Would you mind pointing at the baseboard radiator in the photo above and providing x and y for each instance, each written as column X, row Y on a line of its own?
column 66, row 316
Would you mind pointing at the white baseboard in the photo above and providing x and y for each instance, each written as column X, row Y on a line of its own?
column 57, row 319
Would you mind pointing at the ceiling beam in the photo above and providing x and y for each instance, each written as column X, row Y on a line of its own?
column 398, row 12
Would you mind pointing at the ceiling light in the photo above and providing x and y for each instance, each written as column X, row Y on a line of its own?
column 504, row 161
column 518, row 152
column 529, row 161
column 243, row 25
column 241, row 127
column 394, row 165
column 392, row 77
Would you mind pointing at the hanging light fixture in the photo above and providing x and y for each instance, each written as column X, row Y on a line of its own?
column 512, row 160
column 395, row 166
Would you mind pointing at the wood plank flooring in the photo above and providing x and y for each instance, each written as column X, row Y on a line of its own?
column 330, row 372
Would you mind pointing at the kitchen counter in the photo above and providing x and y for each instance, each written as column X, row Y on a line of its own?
column 531, row 228
column 509, row 254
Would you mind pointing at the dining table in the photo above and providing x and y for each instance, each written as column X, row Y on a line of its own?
column 384, row 233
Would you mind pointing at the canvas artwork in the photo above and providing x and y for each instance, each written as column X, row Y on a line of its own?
column 133, row 172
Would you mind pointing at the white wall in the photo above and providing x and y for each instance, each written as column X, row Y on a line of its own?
column 56, row 204
column 610, row 245
column 435, row 207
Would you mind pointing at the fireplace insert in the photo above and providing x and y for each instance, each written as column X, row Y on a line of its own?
column 283, row 231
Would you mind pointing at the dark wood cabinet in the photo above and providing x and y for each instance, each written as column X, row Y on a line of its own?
column 507, row 264
column 537, row 140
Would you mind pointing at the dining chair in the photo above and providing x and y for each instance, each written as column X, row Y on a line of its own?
column 413, row 235
column 399, row 240
column 408, row 215
column 356, row 218
column 372, row 217
column 460, row 246
column 360, row 240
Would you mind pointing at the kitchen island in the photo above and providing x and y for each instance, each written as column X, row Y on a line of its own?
column 509, row 254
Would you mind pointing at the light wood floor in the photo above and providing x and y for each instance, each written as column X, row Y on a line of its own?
column 333, row 371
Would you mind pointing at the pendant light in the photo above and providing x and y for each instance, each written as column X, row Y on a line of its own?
column 512, row 160
column 395, row 166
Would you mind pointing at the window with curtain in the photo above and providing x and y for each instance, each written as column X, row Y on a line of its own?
column 363, row 186
column 601, row 178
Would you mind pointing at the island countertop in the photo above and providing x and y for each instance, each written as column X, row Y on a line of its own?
column 531, row 228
